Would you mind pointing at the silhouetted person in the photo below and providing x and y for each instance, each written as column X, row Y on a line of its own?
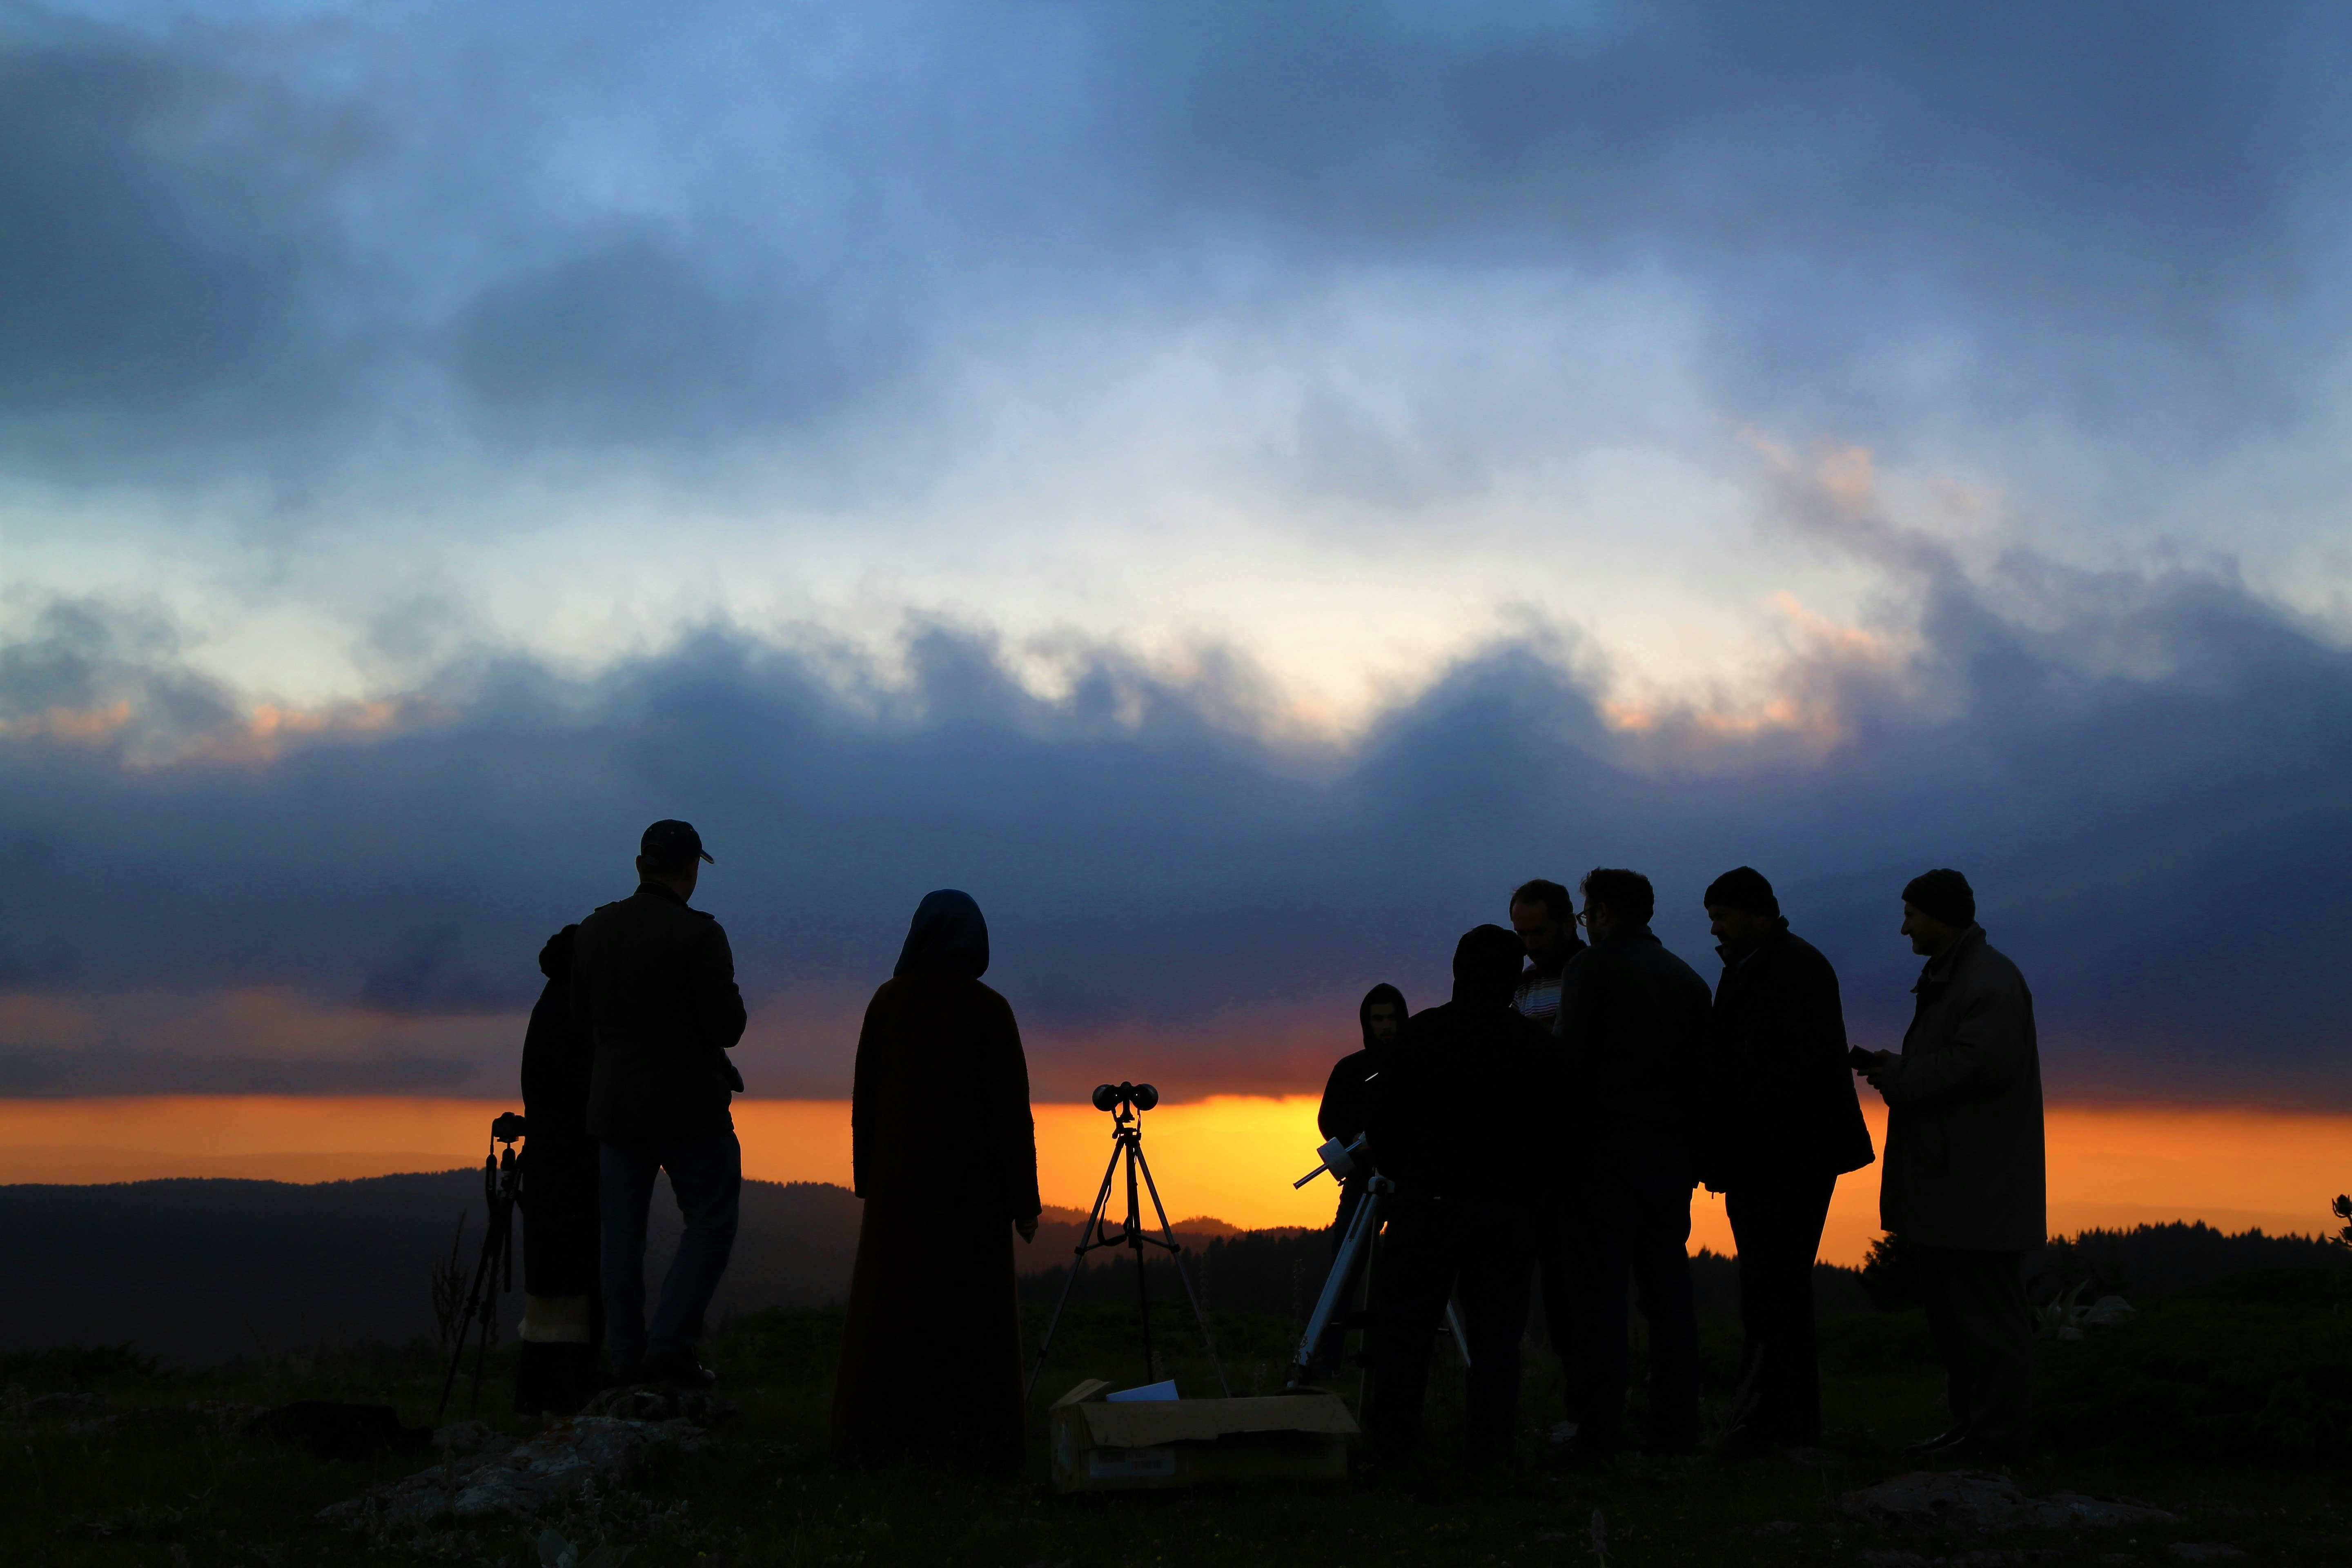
column 1382, row 1014
column 563, row 1311
column 946, row 1159
column 1963, row 1185
column 1788, row 1124
column 1543, row 915
column 1441, row 1127
column 654, row 983
column 1632, row 1023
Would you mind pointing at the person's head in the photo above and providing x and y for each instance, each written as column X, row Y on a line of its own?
column 1741, row 910
column 1616, row 899
column 1545, row 918
column 1382, row 1015
column 671, row 853
column 1486, row 966
column 947, row 932
column 1937, row 906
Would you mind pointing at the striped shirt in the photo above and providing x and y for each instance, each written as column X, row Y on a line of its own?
column 1538, row 996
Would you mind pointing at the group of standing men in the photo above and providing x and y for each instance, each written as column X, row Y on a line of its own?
column 1552, row 1119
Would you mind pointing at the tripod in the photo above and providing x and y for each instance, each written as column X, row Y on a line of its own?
column 1355, row 1252
column 1126, row 1103
column 502, row 1188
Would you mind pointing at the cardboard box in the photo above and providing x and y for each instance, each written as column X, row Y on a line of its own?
column 1098, row 1445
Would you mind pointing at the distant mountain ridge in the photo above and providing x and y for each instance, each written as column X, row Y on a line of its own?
column 202, row 1270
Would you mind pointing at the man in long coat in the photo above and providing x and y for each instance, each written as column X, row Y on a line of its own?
column 1963, row 1187
column 1788, row 1125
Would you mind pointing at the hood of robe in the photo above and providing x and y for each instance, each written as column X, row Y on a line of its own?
column 948, row 933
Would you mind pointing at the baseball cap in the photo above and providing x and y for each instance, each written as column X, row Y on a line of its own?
column 671, row 841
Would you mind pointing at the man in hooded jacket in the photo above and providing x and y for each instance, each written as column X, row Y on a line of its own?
column 1787, row 1124
column 1381, row 1015
column 1964, row 1185
column 1438, row 1126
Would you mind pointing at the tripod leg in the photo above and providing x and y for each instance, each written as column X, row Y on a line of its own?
column 1361, row 1225
column 501, row 1268
column 1176, row 1256
column 1086, row 1238
column 1135, row 1245
column 465, row 1321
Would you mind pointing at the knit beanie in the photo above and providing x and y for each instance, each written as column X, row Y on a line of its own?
column 1945, row 894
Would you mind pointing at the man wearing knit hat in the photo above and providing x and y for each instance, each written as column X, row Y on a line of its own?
column 1963, row 1186
column 1786, row 1124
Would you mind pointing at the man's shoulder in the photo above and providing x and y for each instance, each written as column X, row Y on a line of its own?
column 1981, row 966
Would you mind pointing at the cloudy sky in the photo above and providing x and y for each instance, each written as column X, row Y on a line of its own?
column 1235, row 486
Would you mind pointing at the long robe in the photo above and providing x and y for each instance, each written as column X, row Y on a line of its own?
column 946, row 1158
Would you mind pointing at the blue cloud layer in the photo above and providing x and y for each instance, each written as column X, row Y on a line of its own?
column 2145, row 784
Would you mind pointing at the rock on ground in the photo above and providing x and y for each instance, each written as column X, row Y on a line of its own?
column 1966, row 1500
column 553, row 1468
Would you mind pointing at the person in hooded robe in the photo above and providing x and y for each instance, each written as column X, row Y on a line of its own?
column 563, row 1316
column 945, row 1155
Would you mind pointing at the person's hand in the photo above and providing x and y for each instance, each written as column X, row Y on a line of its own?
column 1027, row 1227
column 1881, row 1063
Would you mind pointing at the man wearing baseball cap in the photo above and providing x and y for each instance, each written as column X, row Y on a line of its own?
column 653, row 981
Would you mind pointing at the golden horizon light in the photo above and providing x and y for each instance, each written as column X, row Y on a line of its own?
column 1229, row 1157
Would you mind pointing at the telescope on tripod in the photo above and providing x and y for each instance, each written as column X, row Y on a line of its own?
column 1126, row 1103
column 1345, row 1161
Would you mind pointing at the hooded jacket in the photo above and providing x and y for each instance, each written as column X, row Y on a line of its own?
column 653, row 982
column 1345, row 1092
column 1964, row 1144
column 1785, row 1101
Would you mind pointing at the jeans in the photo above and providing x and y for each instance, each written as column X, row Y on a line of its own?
column 1776, row 1224
column 706, row 1176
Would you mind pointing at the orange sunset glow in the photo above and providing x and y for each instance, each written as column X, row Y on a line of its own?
column 1229, row 1156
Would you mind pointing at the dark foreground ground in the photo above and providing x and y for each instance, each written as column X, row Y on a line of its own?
column 2230, row 1410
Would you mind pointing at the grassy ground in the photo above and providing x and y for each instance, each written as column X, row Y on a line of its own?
column 159, row 1474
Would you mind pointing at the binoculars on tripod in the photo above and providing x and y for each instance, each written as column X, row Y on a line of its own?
column 1119, row 1096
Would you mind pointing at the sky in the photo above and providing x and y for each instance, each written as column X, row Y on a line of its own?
column 1236, row 488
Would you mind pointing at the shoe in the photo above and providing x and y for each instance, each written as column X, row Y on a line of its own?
column 1935, row 1444
column 681, row 1371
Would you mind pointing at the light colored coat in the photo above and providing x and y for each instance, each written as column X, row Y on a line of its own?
column 1964, row 1162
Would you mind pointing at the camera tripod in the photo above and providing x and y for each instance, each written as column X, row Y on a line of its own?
column 1355, row 1254
column 1126, row 1103
column 494, row 1272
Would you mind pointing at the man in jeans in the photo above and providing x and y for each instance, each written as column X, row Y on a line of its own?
column 653, row 981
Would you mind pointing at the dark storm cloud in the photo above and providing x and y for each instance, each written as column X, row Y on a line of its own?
column 2145, row 787
column 258, row 240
